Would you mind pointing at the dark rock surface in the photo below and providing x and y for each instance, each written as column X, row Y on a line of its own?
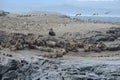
column 69, row 41
column 114, row 47
column 95, row 36
column 19, row 41
column 49, row 69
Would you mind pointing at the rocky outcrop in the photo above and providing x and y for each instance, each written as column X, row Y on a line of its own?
column 3, row 13
column 19, row 41
column 114, row 47
column 47, row 69
column 94, row 36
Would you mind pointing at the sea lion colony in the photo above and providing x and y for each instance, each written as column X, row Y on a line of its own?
column 25, row 66
column 59, row 46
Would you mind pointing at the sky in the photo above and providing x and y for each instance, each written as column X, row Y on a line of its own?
column 71, row 7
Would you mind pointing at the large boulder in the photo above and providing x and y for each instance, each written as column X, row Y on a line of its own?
column 19, row 70
column 96, row 36
column 104, row 37
column 113, row 47
column 114, row 30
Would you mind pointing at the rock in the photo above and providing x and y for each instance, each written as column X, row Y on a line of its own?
column 60, row 44
column 115, row 31
column 3, row 13
column 51, row 69
column 97, row 50
column 15, row 70
column 12, row 64
column 96, row 36
column 51, row 44
column 3, row 69
column 114, row 47
column 10, row 75
column 89, row 40
column 104, row 37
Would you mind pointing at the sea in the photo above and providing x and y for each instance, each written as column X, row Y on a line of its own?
column 112, row 19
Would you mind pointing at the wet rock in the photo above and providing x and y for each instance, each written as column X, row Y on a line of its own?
column 18, row 70
column 60, row 44
column 47, row 69
column 104, row 37
column 114, row 47
column 96, row 36
column 89, row 40
column 115, row 31
column 10, row 75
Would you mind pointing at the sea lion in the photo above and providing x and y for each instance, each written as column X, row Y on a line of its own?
column 51, row 44
column 87, row 47
column 71, row 46
column 80, row 44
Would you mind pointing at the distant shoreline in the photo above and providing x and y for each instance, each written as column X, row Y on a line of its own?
column 103, row 19
column 97, row 15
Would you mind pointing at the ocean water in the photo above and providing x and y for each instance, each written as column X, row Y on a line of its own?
column 97, row 18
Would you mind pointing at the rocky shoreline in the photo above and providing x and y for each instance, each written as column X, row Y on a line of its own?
column 41, row 68
column 57, row 46
column 51, row 69
column 27, row 52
